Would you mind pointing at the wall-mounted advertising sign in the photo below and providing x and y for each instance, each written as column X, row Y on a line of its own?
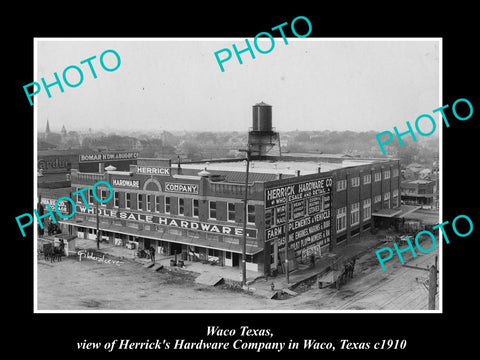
column 309, row 215
column 170, row 221
column 107, row 156
column 62, row 205
column 129, row 183
column 52, row 164
column 151, row 170
column 181, row 188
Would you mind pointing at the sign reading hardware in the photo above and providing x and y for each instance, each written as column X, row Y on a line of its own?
column 126, row 183
column 169, row 221
column 181, row 188
column 150, row 170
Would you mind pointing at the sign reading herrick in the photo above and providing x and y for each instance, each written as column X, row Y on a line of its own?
column 309, row 215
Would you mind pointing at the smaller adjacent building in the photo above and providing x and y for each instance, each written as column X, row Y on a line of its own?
column 417, row 192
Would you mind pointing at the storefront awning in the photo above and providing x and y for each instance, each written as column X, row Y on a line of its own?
column 165, row 236
column 398, row 212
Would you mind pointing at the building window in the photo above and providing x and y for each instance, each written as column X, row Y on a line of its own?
column 377, row 199
column 395, row 172
column 90, row 196
column 157, row 203
column 367, row 209
column 149, row 202
column 378, row 176
column 167, row 204
column 251, row 214
column 355, row 213
column 116, row 199
column 195, row 207
column 103, row 196
column 341, row 219
column 139, row 201
column 212, row 209
column 355, row 181
column 341, row 185
column 386, row 200
column 395, row 197
column 386, row 174
column 367, row 179
column 231, row 212
column 181, row 206
column 128, row 200
column 213, row 253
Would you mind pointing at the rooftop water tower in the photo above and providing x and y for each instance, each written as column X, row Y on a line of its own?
column 262, row 139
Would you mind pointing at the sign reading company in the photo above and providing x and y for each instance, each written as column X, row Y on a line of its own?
column 126, row 183
column 153, row 170
column 168, row 221
column 107, row 156
column 181, row 188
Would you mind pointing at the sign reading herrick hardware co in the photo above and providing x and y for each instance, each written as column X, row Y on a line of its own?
column 309, row 214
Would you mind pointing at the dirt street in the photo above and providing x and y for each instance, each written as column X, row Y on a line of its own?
column 91, row 285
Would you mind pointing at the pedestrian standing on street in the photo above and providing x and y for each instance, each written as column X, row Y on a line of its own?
column 152, row 253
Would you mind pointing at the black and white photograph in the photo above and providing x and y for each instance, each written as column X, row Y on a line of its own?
column 155, row 164
column 262, row 183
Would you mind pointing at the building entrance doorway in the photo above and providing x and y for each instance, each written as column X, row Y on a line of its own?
column 175, row 248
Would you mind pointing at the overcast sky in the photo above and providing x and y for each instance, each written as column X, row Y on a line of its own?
column 312, row 84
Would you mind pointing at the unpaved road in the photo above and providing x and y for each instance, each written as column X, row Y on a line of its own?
column 89, row 285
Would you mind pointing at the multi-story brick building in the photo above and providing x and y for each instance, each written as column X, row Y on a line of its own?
column 197, row 209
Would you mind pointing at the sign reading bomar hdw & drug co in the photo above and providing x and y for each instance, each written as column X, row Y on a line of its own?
column 107, row 156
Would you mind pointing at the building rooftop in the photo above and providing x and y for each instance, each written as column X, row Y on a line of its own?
column 265, row 170
column 418, row 181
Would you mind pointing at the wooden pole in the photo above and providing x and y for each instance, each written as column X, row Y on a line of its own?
column 432, row 285
column 245, row 213
column 287, row 222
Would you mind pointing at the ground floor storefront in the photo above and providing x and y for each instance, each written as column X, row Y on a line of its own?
column 175, row 244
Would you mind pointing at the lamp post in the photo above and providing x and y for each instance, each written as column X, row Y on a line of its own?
column 245, row 214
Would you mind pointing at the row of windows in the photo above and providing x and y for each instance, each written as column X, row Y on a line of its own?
column 367, row 179
column 149, row 199
column 367, row 210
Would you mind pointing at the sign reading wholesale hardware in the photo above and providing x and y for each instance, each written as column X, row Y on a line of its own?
column 169, row 221
column 309, row 210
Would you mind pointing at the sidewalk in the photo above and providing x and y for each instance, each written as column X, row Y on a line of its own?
column 355, row 247
column 257, row 284
column 227, row 272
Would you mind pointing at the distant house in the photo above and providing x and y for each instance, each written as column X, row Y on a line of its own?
column 424, row 173
column 412, row 170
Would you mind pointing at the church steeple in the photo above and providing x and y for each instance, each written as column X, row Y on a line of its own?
column 64, row 131
column 47, row 130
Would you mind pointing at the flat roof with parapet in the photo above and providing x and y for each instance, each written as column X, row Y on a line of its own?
column 266, row 170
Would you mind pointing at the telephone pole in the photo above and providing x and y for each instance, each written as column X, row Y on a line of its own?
column 432, row 282
column 245, row 218
column 287, row 222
